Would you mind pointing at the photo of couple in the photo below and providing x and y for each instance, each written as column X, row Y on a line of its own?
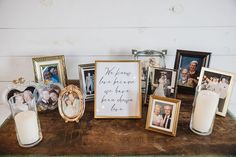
column 50, row 74
column 162, row 115
column 190, row 71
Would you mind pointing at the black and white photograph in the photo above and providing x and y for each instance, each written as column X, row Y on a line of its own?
column 219, row 82
column 161, row 82
column 87, row 75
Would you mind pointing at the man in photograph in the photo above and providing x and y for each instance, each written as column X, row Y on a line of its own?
column 183, row 81
column 89, row 84
column 167, row 117
column 44, row 102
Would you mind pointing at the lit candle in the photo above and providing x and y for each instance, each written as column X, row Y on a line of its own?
column 205, row 110
column 27, row 127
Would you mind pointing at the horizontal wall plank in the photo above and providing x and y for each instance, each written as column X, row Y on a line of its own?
column 115, row 41
column 113, row 13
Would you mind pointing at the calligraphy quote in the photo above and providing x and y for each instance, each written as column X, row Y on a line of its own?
column 116, row 87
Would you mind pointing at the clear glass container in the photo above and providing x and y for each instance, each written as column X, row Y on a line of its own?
column 204, row 110
column 24, row 113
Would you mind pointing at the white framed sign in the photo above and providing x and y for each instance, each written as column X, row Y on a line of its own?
column 117, row 89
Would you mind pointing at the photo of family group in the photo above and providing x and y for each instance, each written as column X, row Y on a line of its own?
column 50, row 74
column 23, row 101
column 48, row 97
column 217, row 82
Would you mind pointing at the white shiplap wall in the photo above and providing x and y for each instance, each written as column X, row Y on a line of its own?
column 86, row 30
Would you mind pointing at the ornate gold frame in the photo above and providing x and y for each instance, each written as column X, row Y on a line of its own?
column 140, row 90
column 82, row 105
column 175, row 122
column 62, row 70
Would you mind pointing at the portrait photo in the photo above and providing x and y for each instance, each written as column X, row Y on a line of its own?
column 50, row 69
column 87, row 75
column 71, row 104
column 48, row 96
column 219, row 82
column 189, row 64
column 161, row 82
column 163, row 115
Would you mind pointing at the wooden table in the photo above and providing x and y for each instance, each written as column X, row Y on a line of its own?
column 121, row 137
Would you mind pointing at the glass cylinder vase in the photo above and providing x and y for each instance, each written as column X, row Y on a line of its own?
column 204, row 110
column 24, row 113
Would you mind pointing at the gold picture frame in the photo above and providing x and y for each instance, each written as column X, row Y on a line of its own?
column 220, row 82
column 74, row 110
column 163, row 121
column 50, row 69
column 107, row 110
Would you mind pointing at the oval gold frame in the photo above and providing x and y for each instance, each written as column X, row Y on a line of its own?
column 81, row 99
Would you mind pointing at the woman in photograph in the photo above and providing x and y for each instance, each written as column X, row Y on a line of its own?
column 157, row 117
column 160, row 87
column 193, row 74
column 53, row 99
column 71, row 105
column 44, row 102
column 20, row 104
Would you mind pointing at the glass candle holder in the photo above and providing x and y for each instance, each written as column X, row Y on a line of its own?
column 204, row 111
column 27, row 125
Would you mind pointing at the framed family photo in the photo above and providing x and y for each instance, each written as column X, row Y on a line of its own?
column 87, row 75
column 163, row 114
column 149, row 58
column 219, row 82
column 161, row 82
column 71, row 104
column 189, row 64
column 117, row 89
column 50, row 69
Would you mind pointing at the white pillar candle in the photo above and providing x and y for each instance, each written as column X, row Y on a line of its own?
column 27, row 127
column 205, row 110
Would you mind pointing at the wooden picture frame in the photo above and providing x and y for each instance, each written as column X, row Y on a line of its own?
column 87, row 76
column 117, row 89
column 189, row 64
column 155, row 83
column 220, row 82
column 50, row 69
column 71, row 104
column 163, row 121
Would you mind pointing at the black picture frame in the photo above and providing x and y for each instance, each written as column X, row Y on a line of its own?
column 185, row 61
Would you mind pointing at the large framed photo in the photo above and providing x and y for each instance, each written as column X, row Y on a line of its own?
column 71, row 104
column 189, row 64
column 149, row 58
column 163, row 114
column 117, row 89
column 50, row 69
column 87, row 72
column 219, row 82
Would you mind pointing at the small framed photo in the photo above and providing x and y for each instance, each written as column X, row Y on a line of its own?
column 48, row 96
column 50, row 69
column 219, row 82
column 149, row 58
column 189, row 64
column 87, row 75
column 71, row 104
column 117, row 89
column 163, row 114
column 161, row 82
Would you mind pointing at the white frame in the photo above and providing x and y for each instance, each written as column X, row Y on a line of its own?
column 106, row 110
column 230, row 88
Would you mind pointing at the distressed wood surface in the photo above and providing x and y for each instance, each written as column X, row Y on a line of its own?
column 121, row 137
